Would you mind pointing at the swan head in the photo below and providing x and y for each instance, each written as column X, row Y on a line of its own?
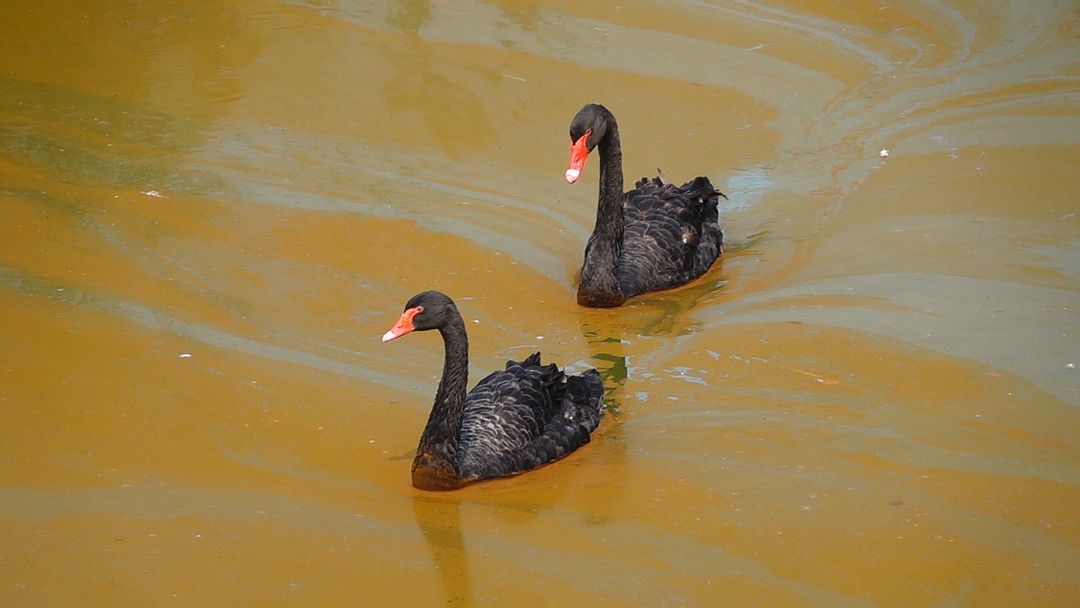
column 426, row 310
column 587, row 130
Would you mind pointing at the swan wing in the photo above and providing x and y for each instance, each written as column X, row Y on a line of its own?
column 524, row 416
column 672, row 234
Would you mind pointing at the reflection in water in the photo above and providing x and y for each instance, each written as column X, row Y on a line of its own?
column 606, row 354
column 439, row 519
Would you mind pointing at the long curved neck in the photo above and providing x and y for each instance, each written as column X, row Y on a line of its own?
column 439, row 443
column 600, row 273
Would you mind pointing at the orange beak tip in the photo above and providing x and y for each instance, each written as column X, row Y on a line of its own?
column 403, row 326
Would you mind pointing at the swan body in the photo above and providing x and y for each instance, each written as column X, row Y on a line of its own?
column 513, row 420
column 656, row 236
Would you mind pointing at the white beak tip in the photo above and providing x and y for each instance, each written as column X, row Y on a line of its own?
column 572, row 175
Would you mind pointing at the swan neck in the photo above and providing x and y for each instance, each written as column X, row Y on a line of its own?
column 611, row 175
column 600, row 273
column 439, row 441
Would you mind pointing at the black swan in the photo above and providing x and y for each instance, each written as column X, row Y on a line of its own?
column 653, row 237
column 512, row 421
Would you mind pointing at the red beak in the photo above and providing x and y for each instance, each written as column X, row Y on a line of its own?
column 403, row 326
column 579, row 151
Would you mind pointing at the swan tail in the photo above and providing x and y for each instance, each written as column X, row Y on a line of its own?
column 586, row 392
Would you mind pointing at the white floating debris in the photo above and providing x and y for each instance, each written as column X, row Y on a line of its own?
column 884, row 152
column 185, row 355
column 153, row 193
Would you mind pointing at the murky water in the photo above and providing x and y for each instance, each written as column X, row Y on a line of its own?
column 211, row 214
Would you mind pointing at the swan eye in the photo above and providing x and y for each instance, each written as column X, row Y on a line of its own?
column 419, row 309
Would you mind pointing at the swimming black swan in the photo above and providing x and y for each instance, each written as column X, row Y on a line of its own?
column 653, row 237
column 512, row 421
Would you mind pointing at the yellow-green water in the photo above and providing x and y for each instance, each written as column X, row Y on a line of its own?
column 210, row 213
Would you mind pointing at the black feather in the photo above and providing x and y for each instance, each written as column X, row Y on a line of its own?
column 656, row 236
column 513, row 420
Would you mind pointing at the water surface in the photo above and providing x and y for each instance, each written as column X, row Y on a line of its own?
column 212, row 213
